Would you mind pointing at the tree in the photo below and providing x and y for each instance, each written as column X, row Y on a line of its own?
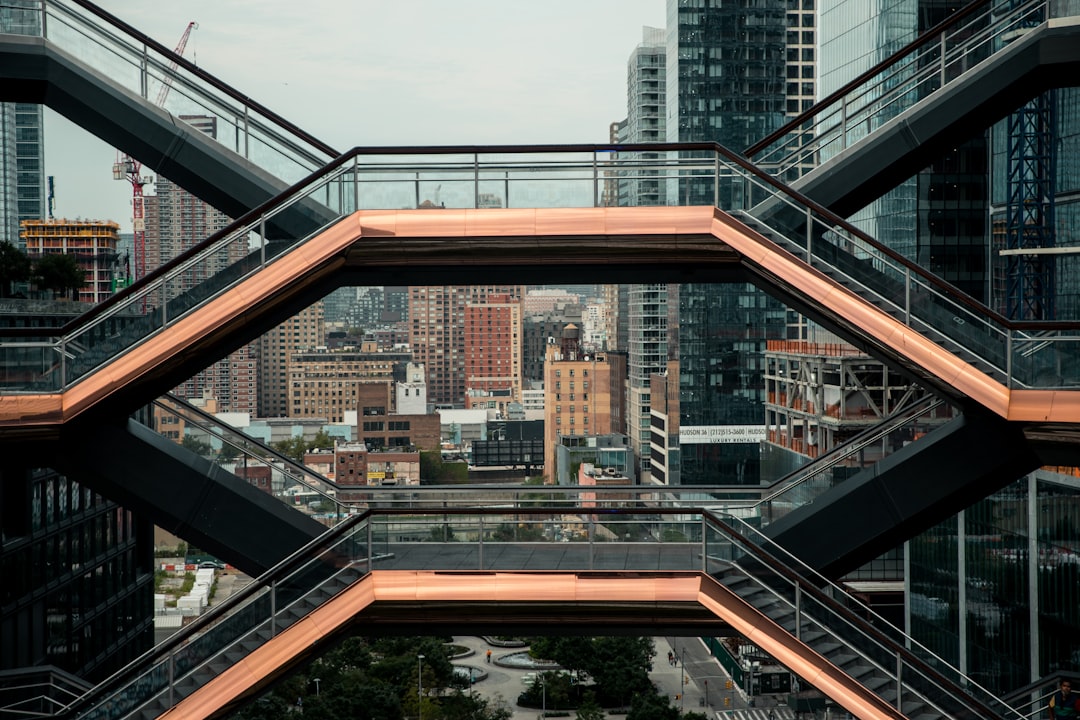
column 649, row 705
column 618, row 665
column 15, row 267
column 296, row 447
column 60, row 273
column 589, row 709
column 197, row 446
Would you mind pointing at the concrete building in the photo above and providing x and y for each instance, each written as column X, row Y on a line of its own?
column 175, row 221
column 381, row 426
column 326, row 384
column 91, row 242
column 493, row 348
column 410, row 394
column 304, row 331
column 583, row 394
column 437, row 335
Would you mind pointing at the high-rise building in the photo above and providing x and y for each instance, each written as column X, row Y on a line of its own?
column 22, row 142
column 303, row 331
column 583, row 394
column 992, row 589
column 648, row 335
column 493, row 348
column 437, row 332
column 537, row 330
column 176, row 220
column 91, row 242
column 727, row 67
column 646, row 82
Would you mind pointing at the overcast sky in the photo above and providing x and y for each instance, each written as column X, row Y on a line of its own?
column 382, row 72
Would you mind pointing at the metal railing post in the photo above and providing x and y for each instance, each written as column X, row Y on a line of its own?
column 63, row 362
column 370, row 546
column 716, row 181
column 144, row 81
column 809, row 237
column 44, row 19
column 273, row 608
column 798, row 613
column 262, row 240
column 595, row 182
column 247, row 133
column 592, row 532
column 476, row 180
column 843, row 123
column 907, row 296
column 1008, row 358
column 941, row 60
column 480, row 546
column 704, row 544
column 172, row 678
column 899, row 681
column 356, row 183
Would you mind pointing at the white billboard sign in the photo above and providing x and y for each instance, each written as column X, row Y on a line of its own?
column 720, row 434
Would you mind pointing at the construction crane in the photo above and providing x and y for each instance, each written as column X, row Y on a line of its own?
column 130, row 169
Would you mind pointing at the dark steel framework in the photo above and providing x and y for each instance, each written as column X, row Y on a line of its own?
column 1030, row 277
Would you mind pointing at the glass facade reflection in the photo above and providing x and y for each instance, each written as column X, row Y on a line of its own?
column 22, row 155
column 727, row 82
column 78, row 577
column 996, row 590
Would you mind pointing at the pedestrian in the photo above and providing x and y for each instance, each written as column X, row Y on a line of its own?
column 1063, row 703
column 489, row 655
column 669, row 656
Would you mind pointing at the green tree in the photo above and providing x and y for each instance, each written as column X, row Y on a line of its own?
column 60, row 273
column 296, row 447
column 618, row 665
column 292, row 448
column 15, row 267
column 228, row 452
column 589, row 709
column 649, row 705
column 197, row 446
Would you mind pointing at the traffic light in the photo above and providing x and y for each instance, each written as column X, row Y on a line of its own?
column 678, row 696
column 727, row 685
column 727, row 701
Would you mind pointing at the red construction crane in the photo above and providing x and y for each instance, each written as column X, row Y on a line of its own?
column 130, row 169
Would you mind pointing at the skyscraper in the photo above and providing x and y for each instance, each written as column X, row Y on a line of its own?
column 22, row 144
column 727, row 66
column 175, row 221
column 437, row 332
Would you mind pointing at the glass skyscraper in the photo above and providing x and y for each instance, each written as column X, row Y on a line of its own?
column 993, row 590
column 726, row 82
column 22, row 153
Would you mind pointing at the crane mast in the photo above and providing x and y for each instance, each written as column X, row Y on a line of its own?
column 130, row 169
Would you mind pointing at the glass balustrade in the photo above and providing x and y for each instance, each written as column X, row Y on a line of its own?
column 113, row 50
column 533, row 178
column 289, row 481
column 940, row 60
column 588, row 538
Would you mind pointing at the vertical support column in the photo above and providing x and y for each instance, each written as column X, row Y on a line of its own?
column 1033, row 575
column 961, row 591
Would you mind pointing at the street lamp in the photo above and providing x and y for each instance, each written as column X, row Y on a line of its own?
column 316, row 681
column 543, row 694
column 419, row 686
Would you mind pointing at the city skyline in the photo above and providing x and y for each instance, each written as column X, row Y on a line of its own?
column 550, row 74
